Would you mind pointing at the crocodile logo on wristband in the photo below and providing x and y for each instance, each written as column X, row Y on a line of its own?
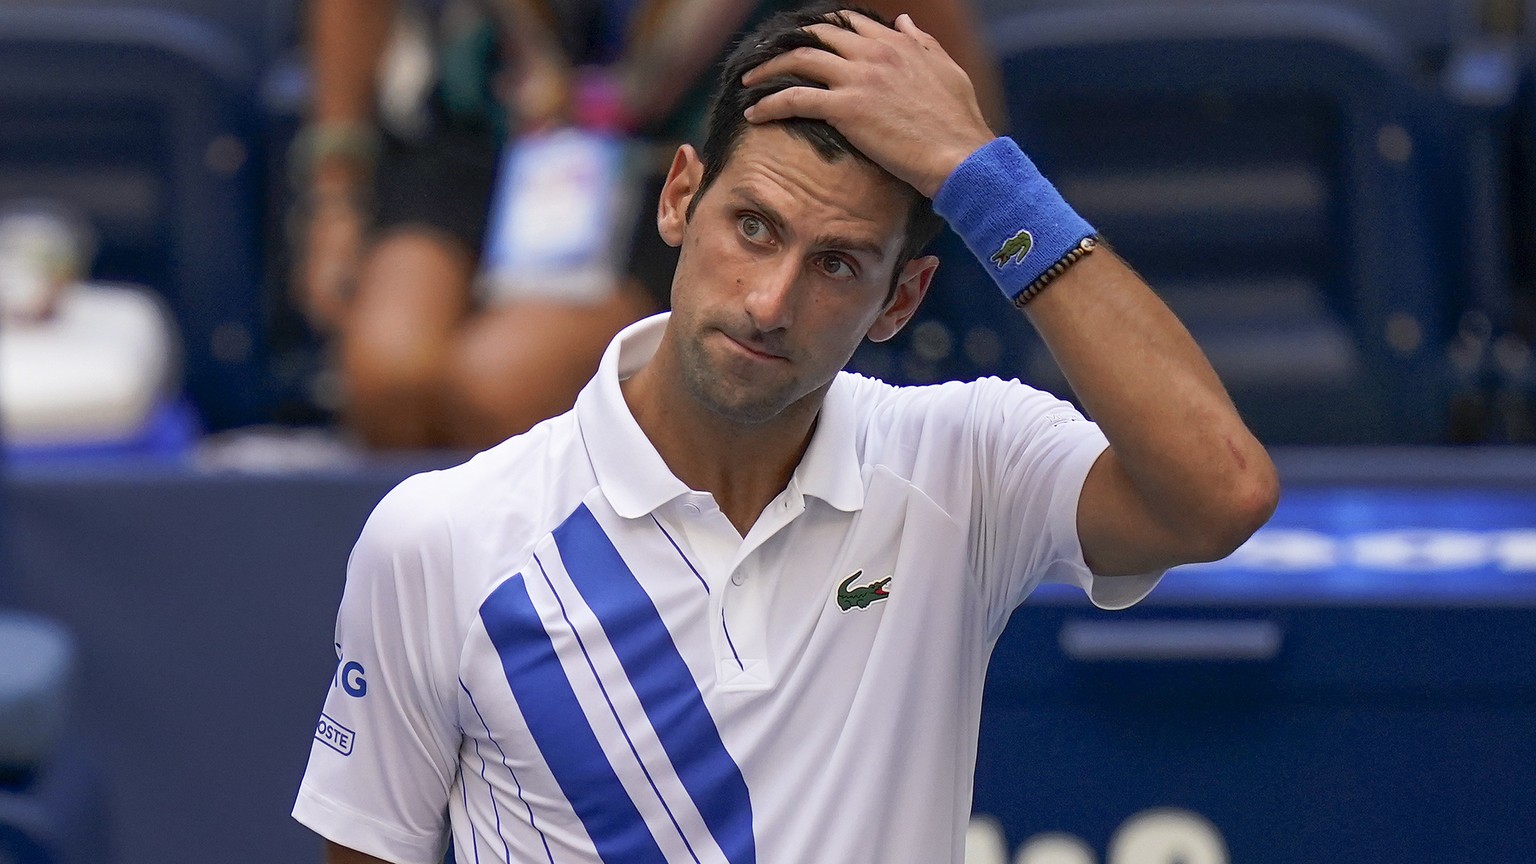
column 1015, row 248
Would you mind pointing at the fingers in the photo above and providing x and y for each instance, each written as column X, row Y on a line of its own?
column 845, row 62
column 328, row 269
column 865, row 26
column 809, row 102
column 906, row 25
column 855, row 43
column 812, row 63
column 842, row 46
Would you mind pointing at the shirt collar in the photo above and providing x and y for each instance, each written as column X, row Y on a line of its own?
column 830, row 468
column 630, row 472
column 633, row 476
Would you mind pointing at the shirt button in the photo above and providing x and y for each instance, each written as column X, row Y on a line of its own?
column 692, row 508
column 738, row 577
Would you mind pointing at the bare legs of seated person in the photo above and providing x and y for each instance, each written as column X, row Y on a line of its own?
column 424, row 367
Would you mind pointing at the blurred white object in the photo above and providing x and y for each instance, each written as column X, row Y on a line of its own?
column 561, row 218
column 43, row 249
column 984, row 842
column 276, row 450
column 1168, row 834
column 1055, row 848
column 91, row 372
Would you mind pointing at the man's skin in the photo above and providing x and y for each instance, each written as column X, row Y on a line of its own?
column 787, row 264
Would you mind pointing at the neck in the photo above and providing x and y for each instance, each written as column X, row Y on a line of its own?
column 744, row 466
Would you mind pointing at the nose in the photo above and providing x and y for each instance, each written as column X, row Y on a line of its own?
column 771, row 294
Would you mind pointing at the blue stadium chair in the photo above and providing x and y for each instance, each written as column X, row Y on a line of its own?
column 1275, row 171
column 1427, row 27
column 34, row 683
column 52, row 803
column 146, row 122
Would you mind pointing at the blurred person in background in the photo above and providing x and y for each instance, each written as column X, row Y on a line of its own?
column 396, row 173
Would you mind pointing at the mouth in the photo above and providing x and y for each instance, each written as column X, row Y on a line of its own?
column 756, row 351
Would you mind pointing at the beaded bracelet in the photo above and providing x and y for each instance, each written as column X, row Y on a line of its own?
column 1083, row 247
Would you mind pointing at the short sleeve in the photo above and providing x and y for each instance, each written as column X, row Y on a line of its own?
column 386, row 743
column 1032, row 453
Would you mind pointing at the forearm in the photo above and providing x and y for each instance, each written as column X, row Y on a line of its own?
column 331, row 160
column 345, row 42
column 1171, row 426
column 1184, row 480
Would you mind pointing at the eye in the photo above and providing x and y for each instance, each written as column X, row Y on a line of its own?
column 835, row 266
column 752, row 227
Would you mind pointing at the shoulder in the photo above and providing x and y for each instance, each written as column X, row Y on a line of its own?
column 889, row 412
column 942, row 437
column 510, row 492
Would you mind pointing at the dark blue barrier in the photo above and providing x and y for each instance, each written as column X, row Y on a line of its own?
column 1355, row 684
column 203, row 606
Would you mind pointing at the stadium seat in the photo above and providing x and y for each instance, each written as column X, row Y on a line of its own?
column 51, row 800
column 1273, row 171
column 146, row 121
column 1428, row 27
column 34, row 683
column 59, row 816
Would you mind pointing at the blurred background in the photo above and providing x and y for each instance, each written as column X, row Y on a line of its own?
column 1338, row 199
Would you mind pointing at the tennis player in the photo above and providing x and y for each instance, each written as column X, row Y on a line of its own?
column 737, row 605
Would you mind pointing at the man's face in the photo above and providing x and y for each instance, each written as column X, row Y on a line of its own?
column 785, row 267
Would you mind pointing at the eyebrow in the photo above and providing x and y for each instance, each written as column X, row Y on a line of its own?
column 840, row 242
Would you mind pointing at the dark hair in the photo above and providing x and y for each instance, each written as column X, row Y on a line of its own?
column 779, row 34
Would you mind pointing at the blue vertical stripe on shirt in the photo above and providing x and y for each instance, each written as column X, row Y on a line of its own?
column 561, row 730
column 662, row 681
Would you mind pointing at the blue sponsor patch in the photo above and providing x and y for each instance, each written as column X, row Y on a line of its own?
column 334, row 735
column 349, row 674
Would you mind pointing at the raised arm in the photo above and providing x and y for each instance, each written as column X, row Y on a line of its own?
column 333, row 157
column 1183, row 479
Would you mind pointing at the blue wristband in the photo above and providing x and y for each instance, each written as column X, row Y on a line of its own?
column 1011, row 217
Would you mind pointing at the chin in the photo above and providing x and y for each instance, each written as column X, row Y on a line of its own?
column 735, row 404
column 744, row 413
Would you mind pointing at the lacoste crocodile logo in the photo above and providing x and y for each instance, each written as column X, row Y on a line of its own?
column 1015, row 248
column 849, row 597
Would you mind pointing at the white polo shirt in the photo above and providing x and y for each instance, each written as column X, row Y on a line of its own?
column 560, row 653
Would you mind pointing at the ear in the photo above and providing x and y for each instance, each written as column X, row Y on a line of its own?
column 911, row 288
column 682, row 184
